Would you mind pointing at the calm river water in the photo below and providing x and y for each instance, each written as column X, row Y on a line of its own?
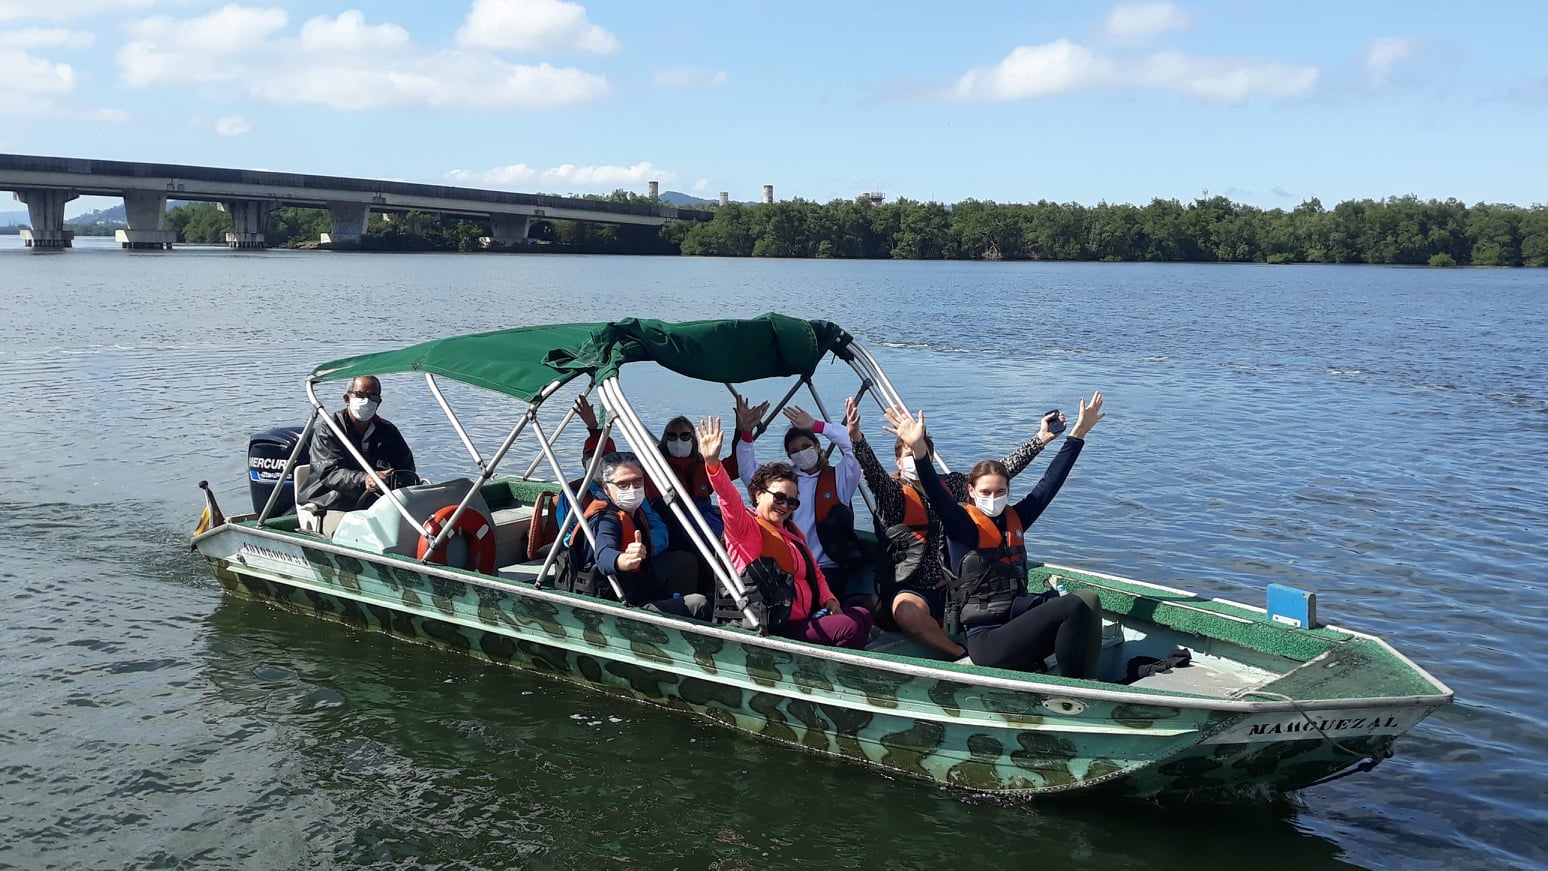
column 1375, row 434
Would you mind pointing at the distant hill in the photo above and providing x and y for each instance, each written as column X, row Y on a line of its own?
column 114, row 215
column 678, row 198
column 15, row 219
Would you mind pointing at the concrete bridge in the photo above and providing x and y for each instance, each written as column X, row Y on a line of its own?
column 46, row 184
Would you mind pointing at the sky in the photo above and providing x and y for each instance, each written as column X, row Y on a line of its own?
column 1268, row 103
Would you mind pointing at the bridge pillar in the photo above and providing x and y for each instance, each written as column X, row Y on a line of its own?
column 247, row 223
column 147, row 214
column 45, row 211
column 349, row 225
column 508, row 231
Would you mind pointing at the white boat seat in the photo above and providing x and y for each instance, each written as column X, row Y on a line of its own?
column 312, row 519
column 511, row 526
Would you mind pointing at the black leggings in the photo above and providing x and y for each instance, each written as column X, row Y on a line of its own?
column 1061, row 626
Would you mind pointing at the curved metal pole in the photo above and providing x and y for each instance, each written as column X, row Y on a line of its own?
column 885, row 388
column 290, row 467
column 574, row 512
column 553, row 461
column 456, row 424
column 698, row 531
column 483, row 478
column 565, row 422
column 827, row 421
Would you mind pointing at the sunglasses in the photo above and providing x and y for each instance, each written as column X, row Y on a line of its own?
column 362, row 394
column 628, row 483
column 790, row 502
column 678, row 437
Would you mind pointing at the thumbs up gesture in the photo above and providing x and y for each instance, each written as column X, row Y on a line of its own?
column 634, row 555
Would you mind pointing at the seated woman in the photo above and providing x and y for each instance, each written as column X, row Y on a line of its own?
column 825, row 517
column 765, row 530
column 680, row 448
column 623, row 549
column 913, row 599
column 659, row 534
column 1007, row 627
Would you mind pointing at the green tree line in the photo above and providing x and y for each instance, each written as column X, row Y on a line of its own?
column 1397, row 230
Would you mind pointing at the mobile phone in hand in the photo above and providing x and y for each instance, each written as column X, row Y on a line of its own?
column 1056, row 425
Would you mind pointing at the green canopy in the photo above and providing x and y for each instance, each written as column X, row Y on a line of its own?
column 523, row 361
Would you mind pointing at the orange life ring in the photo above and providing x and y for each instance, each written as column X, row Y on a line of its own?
column 474, row 529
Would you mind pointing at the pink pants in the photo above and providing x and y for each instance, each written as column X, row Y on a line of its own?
column 849, row 628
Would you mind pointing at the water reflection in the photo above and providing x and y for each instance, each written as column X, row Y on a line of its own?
column 431, row 756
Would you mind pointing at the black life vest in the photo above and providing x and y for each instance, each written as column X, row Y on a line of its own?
column 835, row 522
column 992, row 574
column 908, row 543
column 770, row 581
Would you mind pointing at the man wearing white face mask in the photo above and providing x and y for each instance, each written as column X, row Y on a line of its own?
column 337, row 482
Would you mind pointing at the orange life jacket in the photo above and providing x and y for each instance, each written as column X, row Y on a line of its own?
column 1010, row 548
column 691, row 474
column 627, row 525
column 915, row 515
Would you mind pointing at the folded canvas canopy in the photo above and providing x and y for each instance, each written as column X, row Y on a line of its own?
column 529, row 362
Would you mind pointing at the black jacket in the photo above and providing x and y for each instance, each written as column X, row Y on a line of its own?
column 337, row 482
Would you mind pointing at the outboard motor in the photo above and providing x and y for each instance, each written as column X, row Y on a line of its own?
column 267, row 452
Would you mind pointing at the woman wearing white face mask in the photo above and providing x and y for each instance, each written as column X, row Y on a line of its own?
column 825, row 516
column 624, row 549
column 1006, row 627
column 913, row 594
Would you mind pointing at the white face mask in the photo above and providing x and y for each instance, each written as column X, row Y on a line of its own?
column 907, row 468
column 805, row 460
column 680, row 448
column 629, row 500
column 362, row 409
column 991, row 505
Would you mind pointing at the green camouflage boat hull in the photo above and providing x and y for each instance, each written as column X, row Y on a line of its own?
column 962, row 726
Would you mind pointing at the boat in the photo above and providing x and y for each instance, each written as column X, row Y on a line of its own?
column 1267, row 703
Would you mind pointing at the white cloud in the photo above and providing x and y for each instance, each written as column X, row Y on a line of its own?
column 684, row 78
column 232, row 125
column 533, row 25
column 350, row 33
column 64, row 10
column 1036, row 71
column 21, row 73
column 1386, row 52
column 1139, row 20
column 1063, row 67
column 37, row 37
column 566, row 177
column 700, row 185
column 341, row 62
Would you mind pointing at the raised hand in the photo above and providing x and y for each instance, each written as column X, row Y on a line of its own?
column 1045, row 433
column 633, row 557
column 585, row 412
column 1088, row 417
column 909, row 429
column 852, row 420
column 749, row 416
column 799, row 418
column 710, row 439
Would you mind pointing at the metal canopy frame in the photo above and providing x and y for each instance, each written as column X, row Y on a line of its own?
column 620, row 414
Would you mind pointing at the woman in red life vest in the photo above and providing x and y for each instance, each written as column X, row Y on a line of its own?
column 765, row 530
column 1008, row 627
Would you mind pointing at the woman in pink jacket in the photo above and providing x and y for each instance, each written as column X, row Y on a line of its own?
column 764, row 530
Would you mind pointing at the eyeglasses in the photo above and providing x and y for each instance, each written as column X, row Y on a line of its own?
column 678, row 437
column 364, row 394
column 784, row 500
column 628, row 483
